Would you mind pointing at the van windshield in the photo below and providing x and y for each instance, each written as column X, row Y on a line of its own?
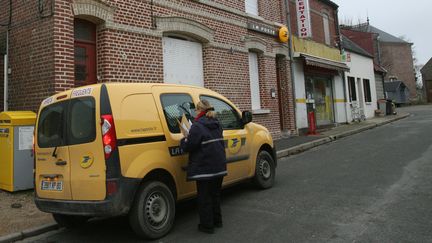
column 67, row 123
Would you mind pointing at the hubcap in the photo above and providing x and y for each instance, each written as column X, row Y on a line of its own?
column 156, row 210
column 265, row 169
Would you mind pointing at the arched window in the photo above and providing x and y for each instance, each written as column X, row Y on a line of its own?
column 85, row 52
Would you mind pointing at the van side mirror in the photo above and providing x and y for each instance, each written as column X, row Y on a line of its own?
column 246, row 117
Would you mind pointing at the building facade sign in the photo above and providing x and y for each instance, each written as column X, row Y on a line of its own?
column 303, row 18
column 263, row 29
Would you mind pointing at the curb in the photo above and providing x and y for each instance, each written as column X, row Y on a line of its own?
column 29, row 233
column 306, row 146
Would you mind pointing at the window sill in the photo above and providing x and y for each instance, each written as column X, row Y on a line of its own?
column 253, row 16
column 368, row 103
column 260, row 111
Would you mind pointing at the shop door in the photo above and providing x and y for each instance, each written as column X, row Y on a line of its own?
column 323, row 97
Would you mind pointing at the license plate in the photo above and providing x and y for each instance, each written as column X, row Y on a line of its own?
column 52, row 185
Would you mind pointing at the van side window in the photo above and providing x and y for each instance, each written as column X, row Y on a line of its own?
column 227, row 116
column 51, row 125
column 174, row 106
column 82, row 121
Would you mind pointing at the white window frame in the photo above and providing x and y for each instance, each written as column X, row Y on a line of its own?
column 254, row 81
column 251, row 7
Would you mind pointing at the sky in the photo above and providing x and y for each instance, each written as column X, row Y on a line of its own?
column 412, row 19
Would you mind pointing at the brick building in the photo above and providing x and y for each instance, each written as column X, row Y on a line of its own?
column 369, row 42
column 318, row 68
column 426, row 72
column 394, row 55
column 229, row 46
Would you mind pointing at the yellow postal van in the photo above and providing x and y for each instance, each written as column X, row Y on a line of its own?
column 113, row 149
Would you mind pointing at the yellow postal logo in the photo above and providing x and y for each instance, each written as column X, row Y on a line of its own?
column 234, row 145
column 86, row 161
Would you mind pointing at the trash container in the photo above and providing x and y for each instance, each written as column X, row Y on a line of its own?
column 16, row 144
column 382, row 106
column 389, row 107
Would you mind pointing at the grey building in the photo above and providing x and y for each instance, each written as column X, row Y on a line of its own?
column 397, row 91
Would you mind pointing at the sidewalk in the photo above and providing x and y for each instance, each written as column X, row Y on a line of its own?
column 21, row 219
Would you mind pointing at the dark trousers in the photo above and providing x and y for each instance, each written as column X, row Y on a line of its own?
column 209, row 210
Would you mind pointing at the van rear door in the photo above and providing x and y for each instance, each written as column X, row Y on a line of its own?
column 52, row 162
column 84, row 136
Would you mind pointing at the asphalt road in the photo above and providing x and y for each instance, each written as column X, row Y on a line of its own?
column 375, row 186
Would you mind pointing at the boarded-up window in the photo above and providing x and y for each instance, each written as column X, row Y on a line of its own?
column 254, row 81
column 251, row 7
column 183, row 62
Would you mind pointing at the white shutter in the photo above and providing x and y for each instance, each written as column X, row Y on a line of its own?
column 326, row 29
column 251, row 7
column 254, row 81
column 183, row 62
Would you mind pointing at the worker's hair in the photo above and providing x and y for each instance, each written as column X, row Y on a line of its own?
column 204, row 105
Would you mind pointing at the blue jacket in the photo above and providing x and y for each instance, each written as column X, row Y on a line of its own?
column 206, row 149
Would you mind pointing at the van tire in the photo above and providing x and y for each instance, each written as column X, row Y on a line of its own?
column 264, row 170
column 153, row 212
column 70, row 221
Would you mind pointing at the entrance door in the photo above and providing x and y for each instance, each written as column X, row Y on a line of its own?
column 85, row 52
column 323, row 97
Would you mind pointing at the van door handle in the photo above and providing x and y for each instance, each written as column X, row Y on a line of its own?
column 61, row 163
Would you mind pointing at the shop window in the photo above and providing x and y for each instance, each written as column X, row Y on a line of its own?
column 367, row 90
column 85, row 52
column 326, row 28
column 251, row 7
column 352, row 89
column 254, row 81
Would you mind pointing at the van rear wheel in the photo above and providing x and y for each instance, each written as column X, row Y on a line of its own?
column 70, row 221
column 264, row 170
column 152, row 215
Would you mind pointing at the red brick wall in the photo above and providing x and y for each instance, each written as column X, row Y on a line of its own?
column 271, row 10
column 316, row 9
column 30, row 57
column 364, row 39
column 397, row 60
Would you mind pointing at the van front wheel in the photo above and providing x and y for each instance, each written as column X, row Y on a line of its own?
column 153, row 212
column 264, row 170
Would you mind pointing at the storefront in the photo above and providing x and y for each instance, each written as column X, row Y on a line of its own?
column 319, row 89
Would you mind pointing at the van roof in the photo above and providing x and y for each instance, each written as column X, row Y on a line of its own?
column 140, row 86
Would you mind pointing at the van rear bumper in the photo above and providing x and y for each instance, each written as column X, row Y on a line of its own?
column 117, row 204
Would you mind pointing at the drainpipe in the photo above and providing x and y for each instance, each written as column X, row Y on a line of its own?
column 6, row 65
column 6, row 62
column 341, row 72
column 291, row 61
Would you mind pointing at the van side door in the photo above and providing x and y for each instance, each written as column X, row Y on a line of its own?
column 237, row 147
column 174, row 103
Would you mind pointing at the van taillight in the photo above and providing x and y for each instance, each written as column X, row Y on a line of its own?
column 108, row 135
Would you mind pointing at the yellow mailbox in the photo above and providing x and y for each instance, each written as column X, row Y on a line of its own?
column 16, row 143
